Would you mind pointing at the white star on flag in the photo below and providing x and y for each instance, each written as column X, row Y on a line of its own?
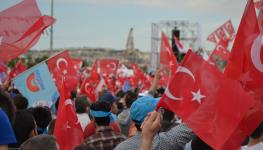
column 197, row 96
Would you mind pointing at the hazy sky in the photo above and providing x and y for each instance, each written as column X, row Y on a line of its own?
column 106, row 23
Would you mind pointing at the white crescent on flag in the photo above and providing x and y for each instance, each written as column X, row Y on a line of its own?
column 255, row 53
column 61, row 60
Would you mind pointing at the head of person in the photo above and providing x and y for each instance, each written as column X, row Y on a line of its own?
column 167, row 121
column 7, row 105
column 82, row 104
column 20, row 102
column 40, row 142
column 24, row 126
column 140, row 109
column 43, row 116
column 109, row 98
column 101, row 113
column 258, row 133
column 130, row 97
column 197, row 144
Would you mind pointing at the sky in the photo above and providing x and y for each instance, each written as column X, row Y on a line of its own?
column 106, row 23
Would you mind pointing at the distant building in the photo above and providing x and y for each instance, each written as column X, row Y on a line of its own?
column 89, row 55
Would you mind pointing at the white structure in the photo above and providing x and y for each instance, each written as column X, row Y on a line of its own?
column 190, row 36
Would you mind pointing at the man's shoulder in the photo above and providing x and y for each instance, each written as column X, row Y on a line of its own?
column 130, row 143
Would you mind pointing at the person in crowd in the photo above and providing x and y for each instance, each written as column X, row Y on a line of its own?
column 20, row 102
column 43, row 116
column 82, row 109
column 168, row 120
column 7, row 135
column 7, row 106
column 40, row 142
column 255, row 139
column 124, row 118
column 174, row 139
column 109, row 98
column 105, row 138
column 24, row 127
column 196, row 144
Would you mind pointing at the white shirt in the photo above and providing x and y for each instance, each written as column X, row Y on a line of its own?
column 258, row 146
column 84, row 120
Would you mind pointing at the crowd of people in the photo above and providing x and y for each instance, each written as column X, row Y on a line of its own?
column 121, row 121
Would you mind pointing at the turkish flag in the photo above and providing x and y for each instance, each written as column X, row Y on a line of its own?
column 88, row 88
column 138, row 76
column 245, row 61
column 212, row 38
column 19, row 68
column 67, row 128
column 207, row 101
column 167, row 57
column 228, row 26
column 3, row 67
column 192, row 83
column 77, row 63
column 245, row 65
column 20, row 28
column 108, row 66
column 220, row 33
column 220, row 50
column 61, row 66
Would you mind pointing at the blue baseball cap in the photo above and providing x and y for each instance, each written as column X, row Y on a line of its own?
column 108, row 97
column 141, row 107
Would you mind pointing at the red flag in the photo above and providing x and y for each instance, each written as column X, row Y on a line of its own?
column 212, row 38
column 77, row 63
column 3, row 67
column 228, row 26
column 61, row 66
column 108, row 66
column 67, row 128
column 220, row 33
column 220, row 50
column 206, row 100
column 19, row 68
column 167, row 57
column 190, row 85
column 245, row 64
column 179, row 45
column 20, row 28
column 258, row 4
column 88, row 88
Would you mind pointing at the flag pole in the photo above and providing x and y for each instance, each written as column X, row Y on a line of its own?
column 51, row 29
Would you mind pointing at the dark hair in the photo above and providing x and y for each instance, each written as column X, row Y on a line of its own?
column 120, row 94
column 81, row 104
column 42, row 115
column 73, row 94
column 198, row 144
column 20, row 102
column 258, row 132
column 101, row 106
column 51, row 127
column 138, row 127
column 167, row 122
column 23, row 125
column 40, row 142
column 7, row 105
column 130, row 98
column 57, row 103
